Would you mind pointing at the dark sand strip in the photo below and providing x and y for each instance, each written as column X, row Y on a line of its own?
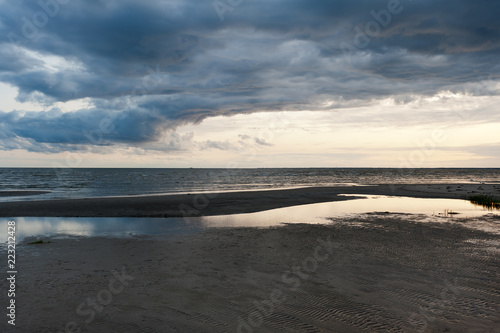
column 21, row 193
column 227, row 203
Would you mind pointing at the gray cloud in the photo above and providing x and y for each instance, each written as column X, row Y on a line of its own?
column 245, row 145
column 150, row 67
column 262, row 142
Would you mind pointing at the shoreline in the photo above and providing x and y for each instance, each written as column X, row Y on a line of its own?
column 224, row 203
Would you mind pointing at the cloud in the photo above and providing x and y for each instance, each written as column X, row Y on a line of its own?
column 262, row 142
column 150, row 67
column 245, row 145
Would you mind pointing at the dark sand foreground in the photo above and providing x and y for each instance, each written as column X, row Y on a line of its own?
column 375, row 273
column 228, row 203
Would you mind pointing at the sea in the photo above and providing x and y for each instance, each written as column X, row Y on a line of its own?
column 64, row 183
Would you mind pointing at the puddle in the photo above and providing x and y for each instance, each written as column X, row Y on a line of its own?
column 313, row 213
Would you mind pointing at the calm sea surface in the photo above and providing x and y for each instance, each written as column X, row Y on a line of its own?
column 81, row 183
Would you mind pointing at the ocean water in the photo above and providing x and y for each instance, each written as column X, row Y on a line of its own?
column 101, row 182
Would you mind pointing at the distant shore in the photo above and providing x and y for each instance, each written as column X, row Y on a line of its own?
column 205, row 204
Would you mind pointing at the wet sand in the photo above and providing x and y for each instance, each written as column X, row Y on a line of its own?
column 372, row 273
column 228, row 203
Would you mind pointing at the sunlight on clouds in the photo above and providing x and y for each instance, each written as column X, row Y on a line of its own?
column 9, row 103
column 51, row 63
column 74, row 105
column 8, row 95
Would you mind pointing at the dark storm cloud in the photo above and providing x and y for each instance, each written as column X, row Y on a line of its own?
column 152, row 66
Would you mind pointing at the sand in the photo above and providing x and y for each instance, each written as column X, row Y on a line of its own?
column 376, row 272
column 373, row 273
column 228, row 203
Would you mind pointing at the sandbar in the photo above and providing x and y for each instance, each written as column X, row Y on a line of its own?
column 182, row 205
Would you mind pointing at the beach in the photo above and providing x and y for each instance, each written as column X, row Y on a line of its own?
column 374, row 272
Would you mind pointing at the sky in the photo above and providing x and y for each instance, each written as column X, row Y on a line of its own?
column 249, row 83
